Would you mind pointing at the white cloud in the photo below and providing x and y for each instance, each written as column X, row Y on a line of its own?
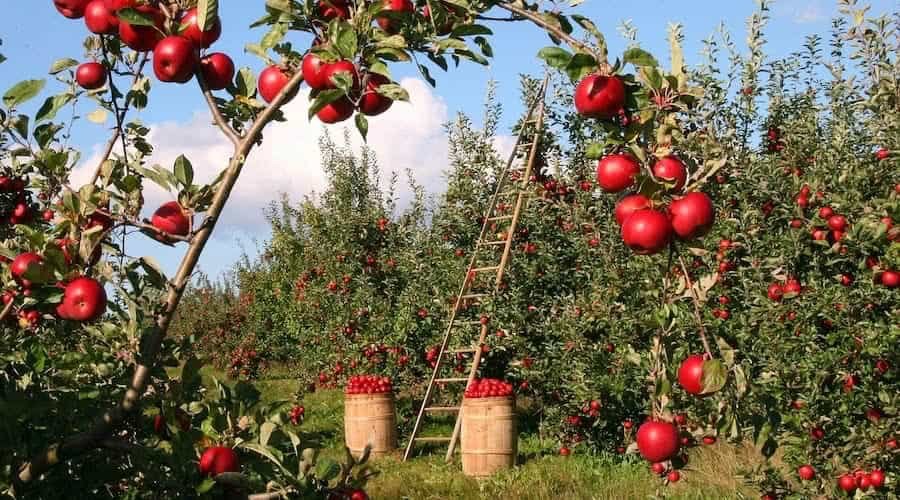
column 809, row 12
column 408, row 136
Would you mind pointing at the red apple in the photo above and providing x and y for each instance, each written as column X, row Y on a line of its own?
column 647, row 231
column 598, row 96
column 826, row 212
column 658, row 468
column 616, row 172
column 73, row 9
column 876, row 478
column 100, row 18
column 314, row 71
column 342, row 66
column 336, row 111
column 174, row 59
column 22, row 264
column 847, row 483
column 674, row 476
column 657, row 441
column 806, row 472
column 671, row 169
column 191, row 30
column 792, row 288
column 372, row 103
column 271, row 81
column 143, row 38
column 890, row 279
column 84, row 299
column 217, row 460
column 692, row 215
column 171, row 218
column 218, row 70
column 564, row 451
column 392, row 26
column 690, row 374
column 882, row 154
column 629, row 205
column 837, row 222
column 90, row 75
column 330, row 9
column 358, row 495
column 775, row 292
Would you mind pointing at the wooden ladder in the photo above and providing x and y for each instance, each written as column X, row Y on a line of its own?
column 509, row 187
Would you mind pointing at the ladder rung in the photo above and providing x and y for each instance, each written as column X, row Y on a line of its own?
column 474, row 296
column 467, row 322
column 500, row 217
column 442, row 408
column 483, row 269
column 452, row 379
column 463, row 349
column 497, row 242
column 438, row 439
column 512, row 192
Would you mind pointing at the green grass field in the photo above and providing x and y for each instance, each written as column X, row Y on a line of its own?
column 713, row 472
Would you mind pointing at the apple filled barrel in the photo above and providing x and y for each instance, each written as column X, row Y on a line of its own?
column 488, row 439
column 369, row 416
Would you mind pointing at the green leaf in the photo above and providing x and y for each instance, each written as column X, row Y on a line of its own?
column 271, row 454
column 207, row 14
column 327, row 469
column 393, row 91
column 274, row 36
column 22, row 92
column 184, row 171
column 246, row 82
column 591, row 28
column 52, row 106
column 581, row 65
column 135, row 17
column 471, row 29
column 265, row 432
column 594, row 151
column 62, row 65
column 46, row 133
column 639, row 57
column 362, row 125
column 345, row 40
column 714, row 376
column 556, row 57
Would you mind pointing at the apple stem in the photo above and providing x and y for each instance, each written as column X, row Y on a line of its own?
column 696, row 301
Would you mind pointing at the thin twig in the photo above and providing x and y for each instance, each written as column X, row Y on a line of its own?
column 216, row 113
column 696, row 300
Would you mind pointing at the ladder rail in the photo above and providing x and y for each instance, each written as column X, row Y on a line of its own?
column 537, row 108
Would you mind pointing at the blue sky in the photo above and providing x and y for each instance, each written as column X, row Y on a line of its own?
column 34, row 36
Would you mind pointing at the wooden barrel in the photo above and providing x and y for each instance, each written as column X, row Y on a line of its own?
column 488, row 439
column 370, row 419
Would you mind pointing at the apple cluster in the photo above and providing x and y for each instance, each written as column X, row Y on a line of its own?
column 488, row 388
column 369, row 384
column 860, row 480
column 644, row 228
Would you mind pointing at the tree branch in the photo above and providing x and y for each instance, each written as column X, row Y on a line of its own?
column 218, row 119
column 696, row 301
column 120, row 116
column 106, row 423
column 6, row 310
column 553, row 30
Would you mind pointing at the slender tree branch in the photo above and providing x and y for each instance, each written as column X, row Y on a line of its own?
column 111, row 419
column 216, row 113
column 120, row 116
column 556, row 31
column 696, row 300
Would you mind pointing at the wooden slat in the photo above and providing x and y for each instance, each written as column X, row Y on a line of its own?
column 433, row 439
column 447, row 409
column 451, row 379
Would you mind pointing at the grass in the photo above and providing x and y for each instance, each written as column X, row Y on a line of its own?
column 712, row 472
